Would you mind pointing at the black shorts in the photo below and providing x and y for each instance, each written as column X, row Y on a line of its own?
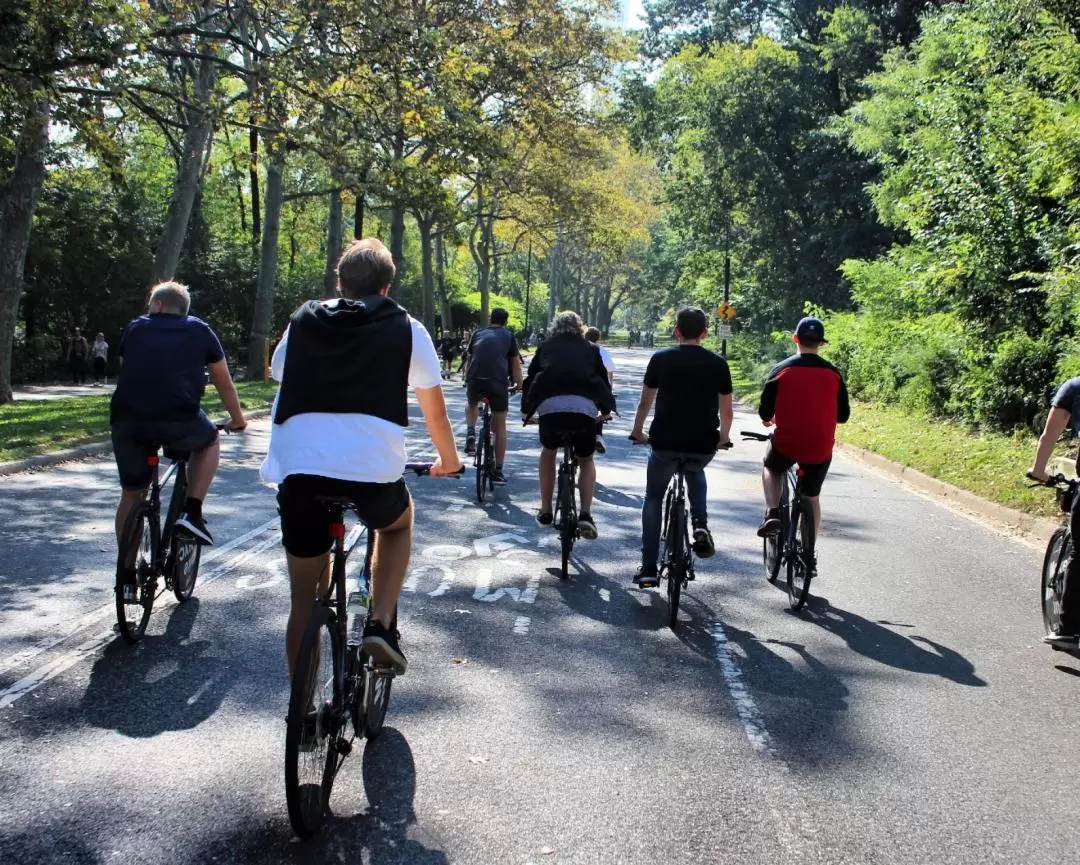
column 581, row 429
column 499, row 398
column 813, row 474
column 305, row 523
column 134, row 441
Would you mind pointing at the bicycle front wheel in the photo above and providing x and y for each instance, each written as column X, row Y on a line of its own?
column 186, row 553
column 568, row 522
column 481, row 466
column 801, row 557
column 138, row 547
column 1053, row 578
column 313, row 726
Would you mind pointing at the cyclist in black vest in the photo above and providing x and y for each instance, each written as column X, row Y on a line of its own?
column 568, row 389
column 345, row 367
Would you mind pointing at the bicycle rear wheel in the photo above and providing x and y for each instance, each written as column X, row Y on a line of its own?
column 313, row 726
column 677, row 555
column 481, row 464
column 184, row 561
column 801, row 555
column 1053, row 578
column 568, row 523
column 140, row 546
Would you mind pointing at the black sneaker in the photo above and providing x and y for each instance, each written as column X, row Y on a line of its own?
column 497, row 477
column 601, row 448
column 1059, row 638
column 647, row 577
column 544, row 519
column 470, row 446
column 703, row 543
column 197, row 527
column 586, row 526
column 381, row 645
column 771, row 524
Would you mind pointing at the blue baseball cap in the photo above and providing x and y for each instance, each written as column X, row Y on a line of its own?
column 811, row 329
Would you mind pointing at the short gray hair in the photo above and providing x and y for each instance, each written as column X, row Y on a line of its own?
column 567, row 322
column 173, row 297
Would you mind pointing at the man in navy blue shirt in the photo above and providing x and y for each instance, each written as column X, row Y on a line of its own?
column 165, row 355
column 1064, row 411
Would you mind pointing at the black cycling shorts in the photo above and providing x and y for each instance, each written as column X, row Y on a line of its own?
column 813, row 474
column 305, row 523
column 581, row 429
column 497, row 397
column 134, row 441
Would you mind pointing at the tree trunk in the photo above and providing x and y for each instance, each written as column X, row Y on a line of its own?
column 18, row 199
column 253, row 173
column 555, row 285
column 440, row 278
column 428, row 275
column 481, row 255
column 263, row 316
column 397, row 242
column 333, row 244
column 189, row 174
column 358, row 215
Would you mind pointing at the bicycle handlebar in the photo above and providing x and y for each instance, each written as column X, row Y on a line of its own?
column 424, row 469
column 724, row 447
column 1052, row 481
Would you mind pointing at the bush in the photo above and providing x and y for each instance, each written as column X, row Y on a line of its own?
column 1012, row 385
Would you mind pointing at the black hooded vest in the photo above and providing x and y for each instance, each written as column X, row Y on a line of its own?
column 351, row 358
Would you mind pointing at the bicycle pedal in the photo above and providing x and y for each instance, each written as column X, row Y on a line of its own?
column 344, row 746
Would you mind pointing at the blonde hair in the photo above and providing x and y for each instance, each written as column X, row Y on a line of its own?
column 173, row 297
column 567, row 322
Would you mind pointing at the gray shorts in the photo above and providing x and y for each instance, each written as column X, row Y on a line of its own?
column 134, row 442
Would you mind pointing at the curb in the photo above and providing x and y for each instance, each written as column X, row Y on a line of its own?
column 998, row 517
column 92, row 449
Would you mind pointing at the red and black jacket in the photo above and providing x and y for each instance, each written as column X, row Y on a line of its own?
column 805, row 396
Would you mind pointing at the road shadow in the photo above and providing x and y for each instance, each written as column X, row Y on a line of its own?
column 174, row 680
column 46, row 844
column 914, row 654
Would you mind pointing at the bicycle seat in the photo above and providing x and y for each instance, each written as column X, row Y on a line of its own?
column 176, row 455
column 336, row 501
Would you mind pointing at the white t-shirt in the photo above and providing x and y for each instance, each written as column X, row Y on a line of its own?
column 352, row 447
column 605, row 356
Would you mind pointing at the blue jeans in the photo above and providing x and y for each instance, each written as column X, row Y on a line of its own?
column 662, row 465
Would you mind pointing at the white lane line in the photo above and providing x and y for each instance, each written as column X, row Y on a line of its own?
column 58, row 665
column 108, row 610
column 521, row 625
column 605, row 595
column 745, row 706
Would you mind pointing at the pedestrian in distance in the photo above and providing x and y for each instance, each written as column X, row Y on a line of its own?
column 100, row 354
column 77, row 352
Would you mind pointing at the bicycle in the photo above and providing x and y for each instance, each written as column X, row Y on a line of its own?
column 335, row 683
column 793, row 544
column 156, row 550
column 565, row 518
column 485, row 453
column 1059, row 552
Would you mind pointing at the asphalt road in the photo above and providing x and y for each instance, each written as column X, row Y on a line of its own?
column 908, row 715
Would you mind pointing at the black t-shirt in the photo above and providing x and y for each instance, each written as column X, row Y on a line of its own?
column 689, row 380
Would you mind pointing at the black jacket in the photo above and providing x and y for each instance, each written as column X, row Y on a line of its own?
column 566, row 364
column 351, row 358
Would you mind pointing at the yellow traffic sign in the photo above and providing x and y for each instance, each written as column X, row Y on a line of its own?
column 725, row 311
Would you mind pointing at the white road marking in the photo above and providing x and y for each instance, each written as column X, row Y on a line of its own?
column 446, row 552
column 605, row 595
column 108, row 610
column 505, row 541
column 54, row 668
column 521, row 625
column 745, row 706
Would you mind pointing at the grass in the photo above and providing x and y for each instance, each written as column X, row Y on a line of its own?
column 990, row 465
column 28, row 428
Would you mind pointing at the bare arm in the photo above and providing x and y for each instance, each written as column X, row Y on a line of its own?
column 644, row 406
column 515, row 370
column 433, row 406
column 1056, row 422
column 726, row 415
column 277, row 363
column 219, row 375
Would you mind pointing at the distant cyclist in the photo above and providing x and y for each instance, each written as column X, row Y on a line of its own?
column 805, row 397
column 165, row 355
column 346, row 366
column 494, row 360
column 691, row 387
column 568, row 389
column 593, row 336
column 449, row 348
column 1064, row 412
